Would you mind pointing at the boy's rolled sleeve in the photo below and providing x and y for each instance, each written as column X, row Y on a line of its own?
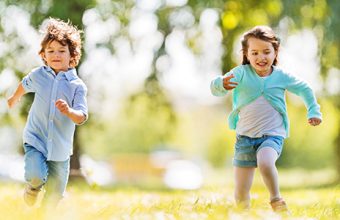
column 28, row 83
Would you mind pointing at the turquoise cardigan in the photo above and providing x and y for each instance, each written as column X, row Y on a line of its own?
column 272, row 88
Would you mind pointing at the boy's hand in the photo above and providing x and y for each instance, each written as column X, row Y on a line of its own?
column 62, row 106
column 227, row 84
column 314, row 121
column 11, row 101
column 75, row 115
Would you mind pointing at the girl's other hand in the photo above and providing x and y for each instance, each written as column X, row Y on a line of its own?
column 314, row 121
column 227, row 84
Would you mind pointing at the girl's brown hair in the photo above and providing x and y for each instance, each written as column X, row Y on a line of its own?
column 263, row 33
column 66, row 34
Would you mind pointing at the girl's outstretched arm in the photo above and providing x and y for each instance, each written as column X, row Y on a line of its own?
column 19, row 92
column 222, row 84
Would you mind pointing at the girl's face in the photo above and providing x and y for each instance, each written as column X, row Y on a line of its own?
column 57, row 56
column 261, row 55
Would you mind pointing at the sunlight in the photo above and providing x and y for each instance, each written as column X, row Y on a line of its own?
column 299, row 56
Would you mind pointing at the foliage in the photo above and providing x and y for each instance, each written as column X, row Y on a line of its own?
column 220, row 148
column 310, row 147
column 144, row 122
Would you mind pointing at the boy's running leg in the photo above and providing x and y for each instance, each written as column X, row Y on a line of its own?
column 57, row 180
column 35, row 173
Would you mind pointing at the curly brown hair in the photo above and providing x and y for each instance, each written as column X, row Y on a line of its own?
column 263, row 33
column 66, row 34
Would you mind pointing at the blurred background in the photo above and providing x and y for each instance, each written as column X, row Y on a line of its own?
column 148, row 65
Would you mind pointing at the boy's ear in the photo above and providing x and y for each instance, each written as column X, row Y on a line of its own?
column 42, row 54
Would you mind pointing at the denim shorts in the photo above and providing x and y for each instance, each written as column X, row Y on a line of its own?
column 246, row 148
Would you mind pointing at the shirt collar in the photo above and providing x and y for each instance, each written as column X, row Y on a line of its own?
column 70, row 74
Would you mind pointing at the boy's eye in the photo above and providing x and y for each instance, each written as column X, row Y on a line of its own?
column 254, row 53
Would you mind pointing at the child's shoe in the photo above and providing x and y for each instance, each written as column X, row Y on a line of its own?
column 31, row 195
column 279, row 206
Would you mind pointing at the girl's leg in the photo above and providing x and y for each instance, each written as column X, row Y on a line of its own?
column 266, row 158
column 57, row 179
column 243, row 180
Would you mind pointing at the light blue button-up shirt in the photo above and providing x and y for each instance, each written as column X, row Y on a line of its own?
column 47, row 129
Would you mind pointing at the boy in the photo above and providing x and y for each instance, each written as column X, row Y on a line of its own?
column 59, row 103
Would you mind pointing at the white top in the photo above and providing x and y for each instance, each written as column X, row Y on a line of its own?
column 259, row 118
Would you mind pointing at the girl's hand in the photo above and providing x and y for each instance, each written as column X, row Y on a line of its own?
column 227, row 84
column 314, row 121
column 62, row 106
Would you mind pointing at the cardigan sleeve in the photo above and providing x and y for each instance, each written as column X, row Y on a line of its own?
column 302, row 89
column 216, row 85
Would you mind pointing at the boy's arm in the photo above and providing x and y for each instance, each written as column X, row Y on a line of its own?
column 15, row 98
column 76, row 116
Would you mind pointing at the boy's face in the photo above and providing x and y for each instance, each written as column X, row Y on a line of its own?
column 57, row 56
column 261, row 55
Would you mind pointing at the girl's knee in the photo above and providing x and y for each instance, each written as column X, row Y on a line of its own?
column 266, row 166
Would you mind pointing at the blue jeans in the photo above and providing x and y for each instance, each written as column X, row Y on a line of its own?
column 246, row 148
column 40, row 172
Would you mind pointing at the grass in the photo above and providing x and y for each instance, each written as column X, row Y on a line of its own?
column 315, row 199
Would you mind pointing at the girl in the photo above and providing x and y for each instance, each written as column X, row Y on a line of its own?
column 259, row 112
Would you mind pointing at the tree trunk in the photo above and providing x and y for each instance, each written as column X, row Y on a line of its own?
column 75, row 168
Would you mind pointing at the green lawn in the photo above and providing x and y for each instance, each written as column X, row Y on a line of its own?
column 307, row 195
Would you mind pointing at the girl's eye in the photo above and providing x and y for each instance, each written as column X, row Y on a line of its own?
column 255, row 53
